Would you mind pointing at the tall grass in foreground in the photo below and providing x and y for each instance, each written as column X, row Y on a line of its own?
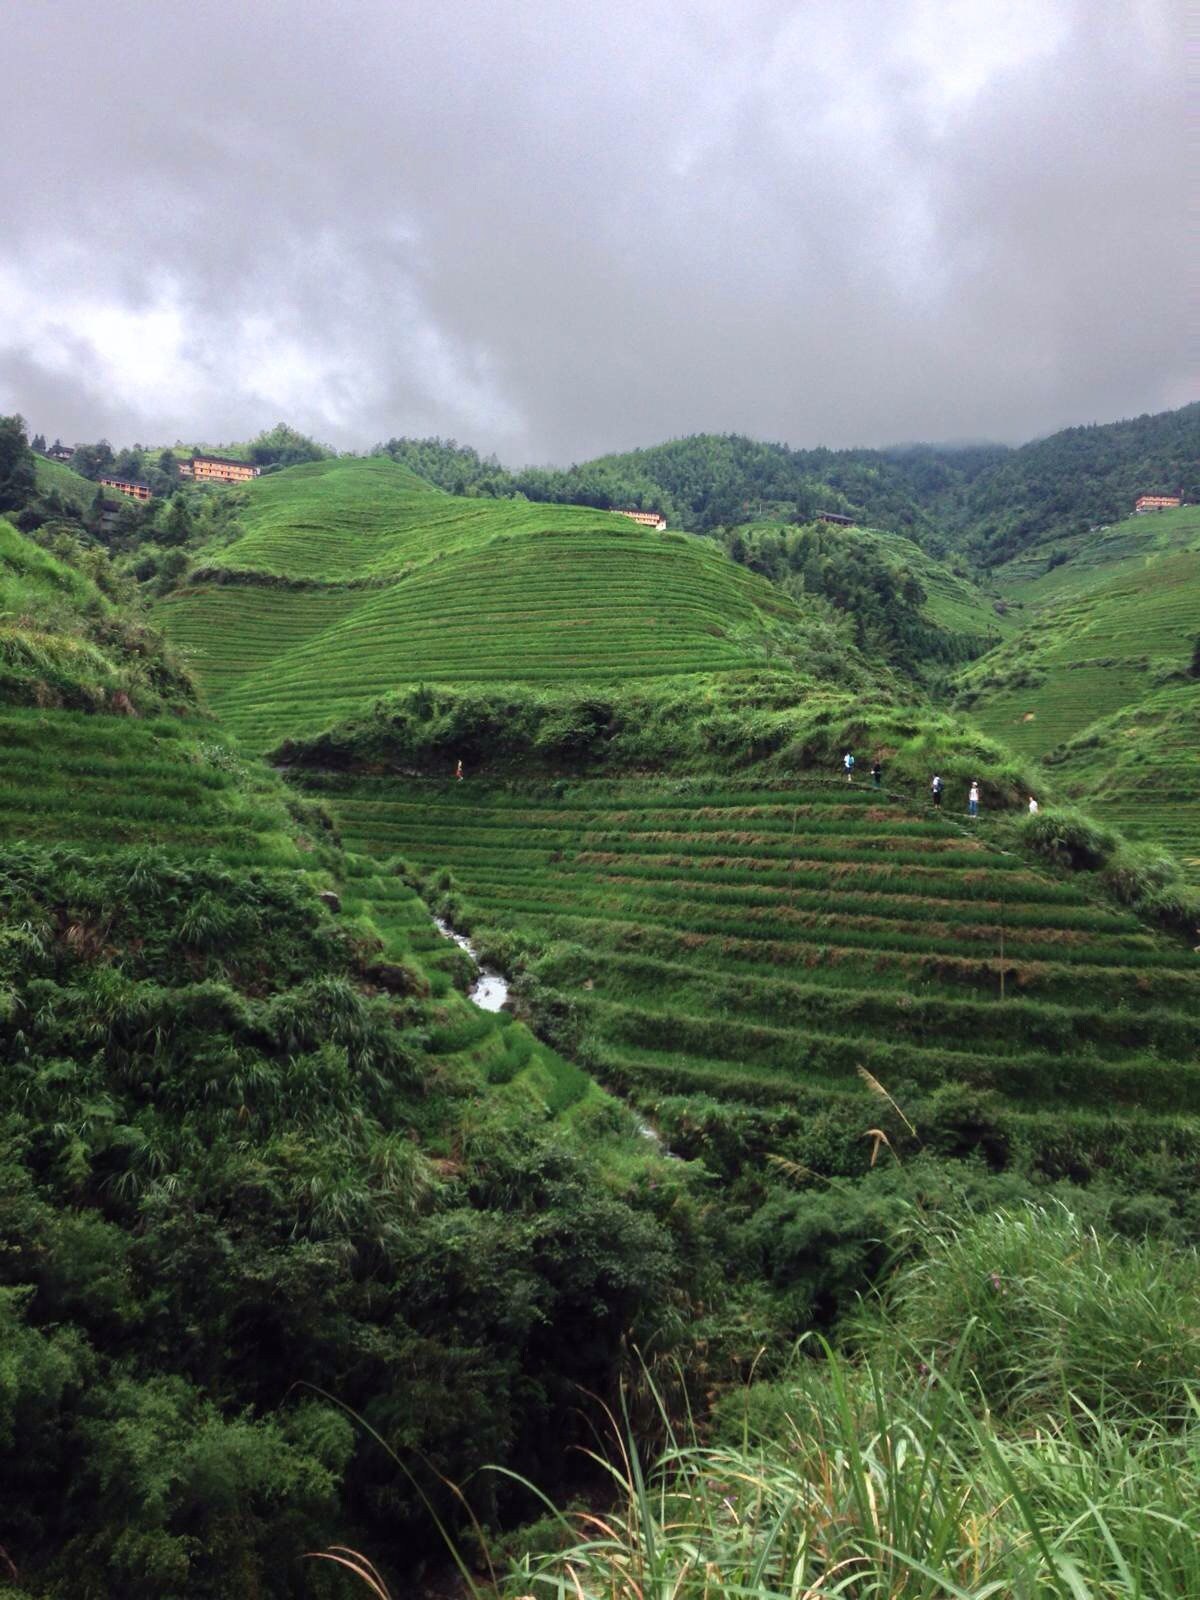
column 871, row 1492
column 1018, row 1420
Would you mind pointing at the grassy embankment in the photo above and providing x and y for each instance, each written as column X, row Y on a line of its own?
column 1095, row 684
column 354, row 578
column 71, row 635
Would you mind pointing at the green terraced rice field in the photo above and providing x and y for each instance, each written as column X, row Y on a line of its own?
column 1125, row 547
column 534, row 606
column 1097, row 651
column 224, row 633
column 1096, row 685
column 1140, row 770
column 763, row 943
column 103, row 783
column 106, row 785
column 338, row 520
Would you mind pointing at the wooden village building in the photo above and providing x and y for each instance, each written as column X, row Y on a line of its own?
column 647, row 519
column 219, row 469
column 130, row 486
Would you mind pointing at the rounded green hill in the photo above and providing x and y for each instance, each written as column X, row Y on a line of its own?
column 353, row 578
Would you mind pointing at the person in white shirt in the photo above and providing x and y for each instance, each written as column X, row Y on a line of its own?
column 1033, row 806
column 973, row 800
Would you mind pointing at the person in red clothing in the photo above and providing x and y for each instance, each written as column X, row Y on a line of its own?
column 458, row 771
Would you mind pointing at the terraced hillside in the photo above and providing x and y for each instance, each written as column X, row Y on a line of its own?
column 107, row 785
column 341, row 520
column 1138, row 769
column 1073, row 564
column 103, row 783
column 57, row 477
column 760, row 944
column 1096, row 682
column 365, row 580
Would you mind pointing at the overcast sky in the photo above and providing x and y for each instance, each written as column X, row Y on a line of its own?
column 555, row 229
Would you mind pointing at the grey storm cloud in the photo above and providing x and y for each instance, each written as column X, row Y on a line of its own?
column 554, row 229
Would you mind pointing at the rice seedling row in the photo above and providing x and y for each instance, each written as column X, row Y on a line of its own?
column 702, row 947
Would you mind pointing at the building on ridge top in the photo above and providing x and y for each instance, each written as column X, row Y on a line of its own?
column 836, row 518
column 1155, row 502
column 220, row 469
column 646, row 519
column 130, row 486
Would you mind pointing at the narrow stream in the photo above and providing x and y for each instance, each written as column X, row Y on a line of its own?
column 490, row 989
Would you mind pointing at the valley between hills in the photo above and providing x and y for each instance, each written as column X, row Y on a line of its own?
column 819, row 1214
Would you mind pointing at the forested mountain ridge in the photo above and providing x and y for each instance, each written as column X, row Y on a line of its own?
column 1080, row 477
column 988, row 500
column 707, row 481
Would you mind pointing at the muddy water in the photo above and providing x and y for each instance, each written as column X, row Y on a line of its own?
column 490, row 989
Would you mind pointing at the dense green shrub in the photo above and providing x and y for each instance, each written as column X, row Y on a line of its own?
column 218, row 1181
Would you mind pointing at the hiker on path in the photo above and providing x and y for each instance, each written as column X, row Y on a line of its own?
column 848, row 763
column 935, row 789
column 877, row 773
column 973, row 800
column 1033, row 806
column 458, row 771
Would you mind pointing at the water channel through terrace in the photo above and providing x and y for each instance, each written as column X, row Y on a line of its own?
column 490, row 991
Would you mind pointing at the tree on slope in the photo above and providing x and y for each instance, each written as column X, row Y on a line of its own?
column 17, row 477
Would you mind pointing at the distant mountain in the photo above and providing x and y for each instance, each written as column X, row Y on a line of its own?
column 985, row 499
column 1075, row 479
column 708, row 481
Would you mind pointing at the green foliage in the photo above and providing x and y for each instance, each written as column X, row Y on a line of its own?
column 213, row 1189
column 699, row 722
column 961, row 1450
column 1051, row 1315
column 709, row 480
column 283, row 446
column 1080, row 477
column 882, row 584
column 64, row 642
column 17, row 476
